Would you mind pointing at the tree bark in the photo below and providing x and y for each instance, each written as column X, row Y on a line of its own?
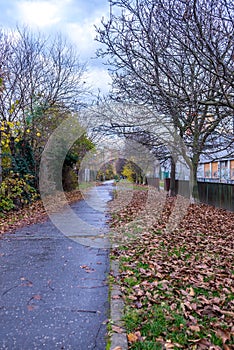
column 172, row 181
column 194, row 194
column 0, row 158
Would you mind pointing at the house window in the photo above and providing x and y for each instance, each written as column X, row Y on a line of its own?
column 207, row 170
column 215, row 169
column 232, row 169
column 224, row 170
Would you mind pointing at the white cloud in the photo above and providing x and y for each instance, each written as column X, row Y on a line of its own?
column 98, row 78
column 76, row 19
column 83, row 34
column 39, row 13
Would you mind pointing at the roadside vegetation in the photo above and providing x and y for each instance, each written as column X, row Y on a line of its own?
column 41, row 85
column 177, row 285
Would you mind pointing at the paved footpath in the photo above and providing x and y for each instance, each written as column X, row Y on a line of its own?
column 53, row 290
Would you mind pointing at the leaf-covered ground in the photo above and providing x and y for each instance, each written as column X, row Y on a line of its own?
column 176, row 271
column 33, row 213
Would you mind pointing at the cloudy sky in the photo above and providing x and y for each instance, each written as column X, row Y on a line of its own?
column 74, row 18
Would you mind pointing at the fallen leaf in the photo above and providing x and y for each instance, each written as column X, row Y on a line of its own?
column 169, row 345
column 195, row 328
column 37, row 297
column 223, row 334
column 132, row 337
column 191, row 292
column 117, row 329
column 31, row 307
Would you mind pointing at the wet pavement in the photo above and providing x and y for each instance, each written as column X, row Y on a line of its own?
column 54, row 292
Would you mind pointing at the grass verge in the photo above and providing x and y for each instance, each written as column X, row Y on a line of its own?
column 178, row 286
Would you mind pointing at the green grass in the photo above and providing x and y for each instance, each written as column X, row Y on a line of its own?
column 161, row 321
column 86, row 185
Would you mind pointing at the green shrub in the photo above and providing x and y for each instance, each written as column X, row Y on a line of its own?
column 15, row 192
column 6, row 204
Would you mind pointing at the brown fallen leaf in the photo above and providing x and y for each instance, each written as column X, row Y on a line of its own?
column 84, row 267
column 169, row 345
column 195, row 328
column 226, row 347
column 191, row 292
column 117, row 329
column 87, row 268
column 116, row 297
column 31, row 307
column 223, row 334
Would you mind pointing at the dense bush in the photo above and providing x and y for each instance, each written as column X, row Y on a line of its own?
column 15, row 192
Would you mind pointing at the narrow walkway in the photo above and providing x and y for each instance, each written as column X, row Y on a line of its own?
column 54, row 292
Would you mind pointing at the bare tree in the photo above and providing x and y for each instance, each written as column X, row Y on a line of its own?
column 39, row 73
column 152, row 48
column 42, row 83
column 4, row 49
column 206, row 30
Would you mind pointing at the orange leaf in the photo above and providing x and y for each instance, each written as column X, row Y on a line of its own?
column 132, row 338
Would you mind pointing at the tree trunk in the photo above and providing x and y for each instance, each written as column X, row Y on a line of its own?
column 0, row 158
column 194, row 194
column 172, row 181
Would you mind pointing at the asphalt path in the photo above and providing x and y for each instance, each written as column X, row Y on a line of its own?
column 53, row 286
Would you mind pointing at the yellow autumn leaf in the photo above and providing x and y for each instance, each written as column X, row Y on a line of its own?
column 38, row 134
column 11, row 125
column 28, row 131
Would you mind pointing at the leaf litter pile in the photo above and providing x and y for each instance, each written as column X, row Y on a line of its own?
column 176, row 271
column 35, row 212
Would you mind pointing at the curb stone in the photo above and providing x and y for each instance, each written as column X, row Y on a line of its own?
column 118, row 340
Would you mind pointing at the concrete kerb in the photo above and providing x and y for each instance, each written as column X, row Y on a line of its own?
column 117, row 340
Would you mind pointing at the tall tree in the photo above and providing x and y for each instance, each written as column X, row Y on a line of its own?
column 152, row 48
column 42, row 83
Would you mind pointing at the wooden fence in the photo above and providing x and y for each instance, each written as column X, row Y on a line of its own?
column 218, row 194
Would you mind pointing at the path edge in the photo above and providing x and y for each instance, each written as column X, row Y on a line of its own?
column 117, row 340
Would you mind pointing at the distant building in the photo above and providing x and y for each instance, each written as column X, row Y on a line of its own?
column 219, row 170
column 216, row 165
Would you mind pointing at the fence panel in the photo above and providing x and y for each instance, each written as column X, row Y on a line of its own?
column 218, row 194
